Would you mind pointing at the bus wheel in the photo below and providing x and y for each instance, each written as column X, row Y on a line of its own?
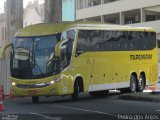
column 141, row 83
column 75, row 92
column 133, row 85
column 99, row 93
column 35, row 99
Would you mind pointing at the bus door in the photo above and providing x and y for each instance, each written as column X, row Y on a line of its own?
column 81, row 61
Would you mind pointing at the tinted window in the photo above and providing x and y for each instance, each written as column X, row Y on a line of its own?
column 67, row 47
column 158, row 43
column 100, row 40
column 83, row 41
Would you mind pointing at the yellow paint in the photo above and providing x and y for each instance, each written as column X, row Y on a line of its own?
column 94, row 67
column 3, row 50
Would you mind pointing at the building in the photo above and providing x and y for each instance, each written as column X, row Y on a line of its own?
column 33, row 13
column 4, row 64
column 14, row 17
column 2, row 29
column 145, row 13
column 68, row 10
column 53, row 10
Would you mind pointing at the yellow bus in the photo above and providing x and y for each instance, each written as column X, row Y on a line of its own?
column 68, row 58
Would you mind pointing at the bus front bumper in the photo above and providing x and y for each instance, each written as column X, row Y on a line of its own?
column 50, row 90
column 58, row 86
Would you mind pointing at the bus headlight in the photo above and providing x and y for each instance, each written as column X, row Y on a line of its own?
column 13, row 84
column 41, row 84
column 52, row 82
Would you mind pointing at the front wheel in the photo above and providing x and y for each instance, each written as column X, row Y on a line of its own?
column 35, row 99
column 141, row 84
column 75, row 94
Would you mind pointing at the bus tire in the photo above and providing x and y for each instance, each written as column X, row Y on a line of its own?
column 141, row 83
column 75, row 94
column 133, row 84
column 35, row 99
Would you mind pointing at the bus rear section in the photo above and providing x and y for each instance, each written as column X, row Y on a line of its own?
column 126, row 60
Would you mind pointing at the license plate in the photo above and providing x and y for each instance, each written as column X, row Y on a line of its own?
column 32, row 92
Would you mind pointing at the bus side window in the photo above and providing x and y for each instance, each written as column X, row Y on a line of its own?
column 70, row 36
column 101, row 41
column 82, row 42
column 130, row 41
column 67, row 47
column 153, row 40
column 135, row 40
column 94, row 40
column 114, row 41
column 127, row 40
column 109, row 40
column 140, row 41
column 124, row 40
column 158, row 43
column 146, row 40
column 106, row 38
column 64, row 61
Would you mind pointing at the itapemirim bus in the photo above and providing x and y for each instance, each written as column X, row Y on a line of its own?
column 70, row 57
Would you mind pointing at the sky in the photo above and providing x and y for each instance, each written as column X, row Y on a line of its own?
column 25, row 2
column 1, row 6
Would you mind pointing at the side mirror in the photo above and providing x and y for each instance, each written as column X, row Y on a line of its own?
column 3, row 50
column 58, row 48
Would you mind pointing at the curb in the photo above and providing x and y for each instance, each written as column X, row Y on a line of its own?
column 148, row 97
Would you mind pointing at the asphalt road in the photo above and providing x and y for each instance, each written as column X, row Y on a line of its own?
column 62, row 108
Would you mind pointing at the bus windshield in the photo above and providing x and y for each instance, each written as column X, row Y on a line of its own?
column 33, row 57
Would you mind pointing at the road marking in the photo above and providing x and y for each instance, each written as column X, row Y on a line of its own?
column 157, row 110
column 149, row 91
column 47, row 117
column 99, row 112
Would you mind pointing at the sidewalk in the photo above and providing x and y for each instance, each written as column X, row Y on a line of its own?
column 151, row 97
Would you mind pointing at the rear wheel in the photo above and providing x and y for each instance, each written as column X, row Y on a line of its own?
column 141, row 83
column 133, row 84
column 75, row 94
column 35, row 99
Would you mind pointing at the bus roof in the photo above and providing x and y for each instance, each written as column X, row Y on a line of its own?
column 53, row 28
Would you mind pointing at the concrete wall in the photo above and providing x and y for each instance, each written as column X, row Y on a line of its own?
column 14, row 12
column 53, row 10
column 68, row 10
column 114, row 7
column 153, row 24
column 4, row 64
column 32, row 15
column 5, row 75
column 2, row 31
column 14, row 22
